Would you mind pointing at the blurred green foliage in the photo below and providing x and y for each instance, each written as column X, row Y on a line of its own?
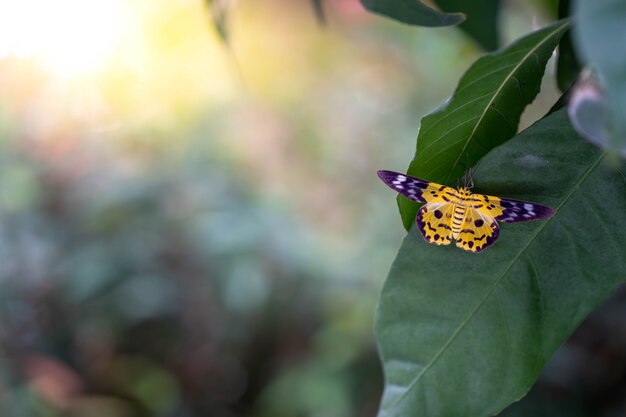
column 170, row 292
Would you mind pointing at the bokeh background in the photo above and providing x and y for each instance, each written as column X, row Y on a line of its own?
column 193, row 227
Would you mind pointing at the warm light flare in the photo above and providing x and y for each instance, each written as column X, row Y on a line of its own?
column 69, row 37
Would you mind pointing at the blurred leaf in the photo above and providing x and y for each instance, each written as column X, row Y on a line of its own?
column 413, row 12
column 599, row 34
column 483, row 112
column 482, row 19
column 307, row 389
column 157, row 389
column 19, row 189
column 567, row 65
column 219, row 14
column 318, row 8
column 462, row 334
column 550, row 7
column 589, row 112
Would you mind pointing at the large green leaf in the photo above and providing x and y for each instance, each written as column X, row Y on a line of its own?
column 599, row 35
column 483, row 112
column 463, row 334
column 482, row 19
column 413, row 12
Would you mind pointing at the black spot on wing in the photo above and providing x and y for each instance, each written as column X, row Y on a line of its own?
column 490, row 239
column 479, row 222
column 421, row 224
column 438, row 214
column 419, row 221
column 437, row 234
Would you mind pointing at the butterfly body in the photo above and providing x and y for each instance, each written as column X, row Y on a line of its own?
column 458, row 214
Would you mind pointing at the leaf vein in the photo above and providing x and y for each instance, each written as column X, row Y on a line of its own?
column 450, row 114
column 504, row 118
column 442, row 136
column 538, row 281
column 599, row 217
column 484, row 76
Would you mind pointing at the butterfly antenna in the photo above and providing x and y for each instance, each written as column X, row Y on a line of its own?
column 467, row 174
column 472, row 172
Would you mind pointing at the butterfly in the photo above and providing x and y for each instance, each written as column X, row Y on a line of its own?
column 458, row 214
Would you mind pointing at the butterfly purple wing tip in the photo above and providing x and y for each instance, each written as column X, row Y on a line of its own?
column 383, row 174
column 388, row 176
column 545, row 213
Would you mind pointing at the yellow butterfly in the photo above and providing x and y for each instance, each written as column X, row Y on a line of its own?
column 451, row 213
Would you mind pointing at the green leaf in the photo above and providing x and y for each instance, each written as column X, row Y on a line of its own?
column 413, row 12
column 482, row 19
column 567, row 65
column 483, row 113
column 463, row 334
column 599, row 35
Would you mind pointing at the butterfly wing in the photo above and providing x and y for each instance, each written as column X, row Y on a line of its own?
column 509, row 210
column 433, row 220
column 478, row 231
column 417, row 190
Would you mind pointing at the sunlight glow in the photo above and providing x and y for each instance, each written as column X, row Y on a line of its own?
column 68, row 37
